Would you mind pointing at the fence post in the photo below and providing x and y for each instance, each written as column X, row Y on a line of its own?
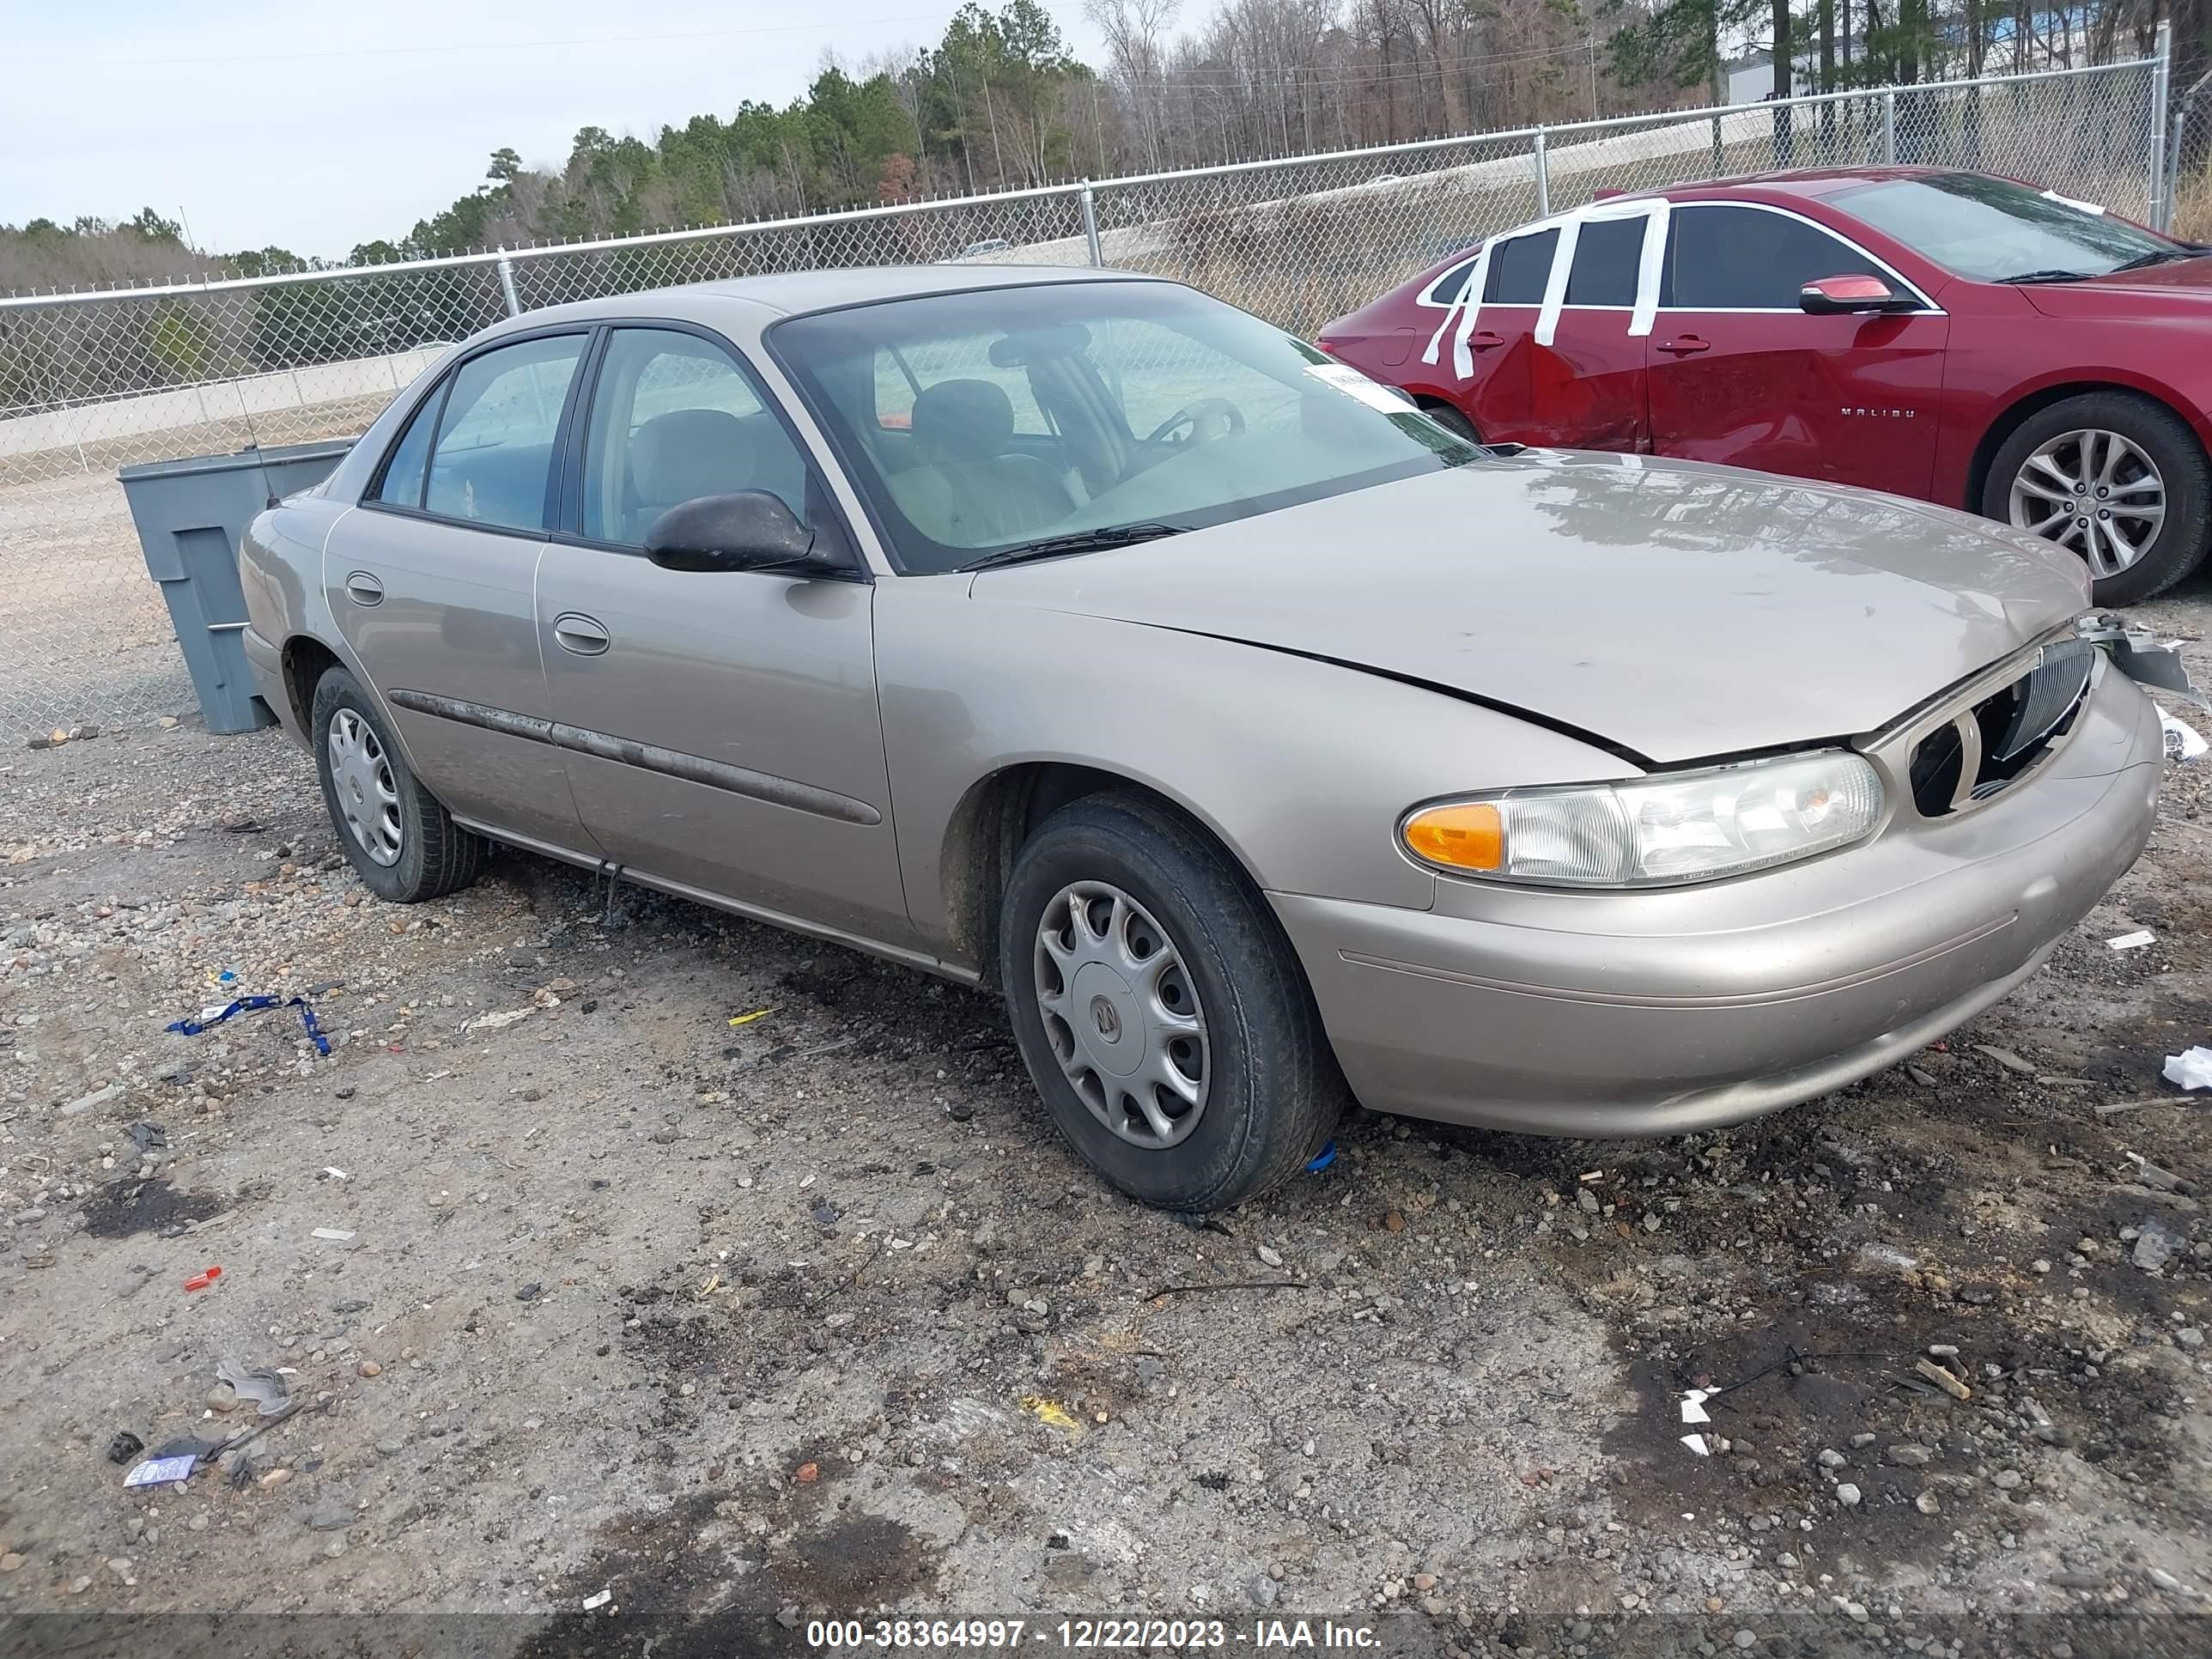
column 1543, row 177
column 2161, row 198
column 506, row 285
column 1091, row 226
column 1720, row 151
column 1889, row 127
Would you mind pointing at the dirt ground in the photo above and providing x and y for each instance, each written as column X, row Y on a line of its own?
column 616, row 1322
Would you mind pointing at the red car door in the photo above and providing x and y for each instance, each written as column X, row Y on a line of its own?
column 1739, row 374
column 1588, row 385
column 1497, row 396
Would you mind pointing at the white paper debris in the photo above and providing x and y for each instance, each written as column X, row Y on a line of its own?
column 2068, row 201
column 1351, row 382
column 335, row 1173
column 2183, row 742
column 2134, row 941
column 599, row 1600
column 1696, row 1443
column 336, row 1234
column 2190, row 1069
column 1693, row 1405
column 160, row 1471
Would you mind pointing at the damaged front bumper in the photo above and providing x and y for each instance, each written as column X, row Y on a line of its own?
column 2136, row 652
column 1657, row 1012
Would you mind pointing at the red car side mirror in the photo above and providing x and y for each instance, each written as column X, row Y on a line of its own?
column 1833, row 296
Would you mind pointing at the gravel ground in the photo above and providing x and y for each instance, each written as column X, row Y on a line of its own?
column 663, row 1333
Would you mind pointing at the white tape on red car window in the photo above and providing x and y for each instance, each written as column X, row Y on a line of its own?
column 1464, row 306
column 1555, row 283
column 1459, row 318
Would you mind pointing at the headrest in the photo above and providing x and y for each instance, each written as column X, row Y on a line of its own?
column 689, row 452
column 963, row 421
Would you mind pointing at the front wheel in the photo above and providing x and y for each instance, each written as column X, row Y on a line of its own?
column 2112, row 477
column 1452, row 421
column 1161, row 1012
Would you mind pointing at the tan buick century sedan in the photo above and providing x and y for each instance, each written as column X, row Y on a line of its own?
column 1267, row 745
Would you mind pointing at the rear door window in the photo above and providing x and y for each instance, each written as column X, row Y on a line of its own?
column 495, row 448
column 1519, row 268
column 1607, row 255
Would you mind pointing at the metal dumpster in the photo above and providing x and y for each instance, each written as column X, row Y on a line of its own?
column 191, row 515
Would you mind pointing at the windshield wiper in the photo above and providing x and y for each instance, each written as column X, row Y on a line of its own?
column 2025, row 277
column 1083, row 541
column 2157, row 257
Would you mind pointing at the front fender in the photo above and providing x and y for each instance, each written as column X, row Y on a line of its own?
column 1300, row 768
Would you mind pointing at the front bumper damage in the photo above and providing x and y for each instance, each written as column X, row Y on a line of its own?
column 2136, row 652
column 1665, row 1010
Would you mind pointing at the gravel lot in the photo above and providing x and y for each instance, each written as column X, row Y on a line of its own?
column 743, row 1324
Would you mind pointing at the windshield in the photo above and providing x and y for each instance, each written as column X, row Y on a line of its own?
column 1993, row 230
column 986, row 421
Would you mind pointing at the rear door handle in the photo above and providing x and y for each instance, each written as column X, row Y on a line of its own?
column 1685, row 345
column 363, row 588
column 585, row 636
column 1486, row 340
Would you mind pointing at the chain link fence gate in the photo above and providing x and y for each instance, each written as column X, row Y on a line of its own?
column 90, row 382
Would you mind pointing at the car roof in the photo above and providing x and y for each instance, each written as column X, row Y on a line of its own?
column 1782, row 182
column 788, row 294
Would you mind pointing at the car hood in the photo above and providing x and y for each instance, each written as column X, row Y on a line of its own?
column 1675, row 611
column 2182, row 289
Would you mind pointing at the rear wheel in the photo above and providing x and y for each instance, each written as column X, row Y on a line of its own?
column 2115, row 478
column 1163, row 1014
column 398, row 839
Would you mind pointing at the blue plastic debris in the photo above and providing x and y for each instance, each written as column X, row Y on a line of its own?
column 1322, row 1159
column 248, row 1005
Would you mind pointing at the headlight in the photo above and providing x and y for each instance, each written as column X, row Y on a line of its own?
column 1650, row 832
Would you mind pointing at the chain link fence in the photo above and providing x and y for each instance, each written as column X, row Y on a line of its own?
column 90, row 382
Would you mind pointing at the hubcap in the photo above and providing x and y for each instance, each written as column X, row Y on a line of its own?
column 360, row 778
column 2095, row 492
column 1122, row 1014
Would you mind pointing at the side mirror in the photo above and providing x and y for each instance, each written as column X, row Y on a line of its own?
column 1836, row 296
column 749, row 529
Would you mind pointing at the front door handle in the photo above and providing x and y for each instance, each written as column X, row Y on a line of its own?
column 363, row 588
column 585, row 636
column 1685, row 345
column 1486, row 339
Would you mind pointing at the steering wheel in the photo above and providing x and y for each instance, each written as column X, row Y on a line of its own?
column 1208, row 418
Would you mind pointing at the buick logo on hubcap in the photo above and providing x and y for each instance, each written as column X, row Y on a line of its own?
column 1109, row 1022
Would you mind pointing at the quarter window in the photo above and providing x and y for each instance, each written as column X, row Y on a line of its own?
column 1736, row 258
column 402, row 483
column 1447, row 288
column 1608, row 253
column 495, row 449
column 675, row 417
column 1520, row 268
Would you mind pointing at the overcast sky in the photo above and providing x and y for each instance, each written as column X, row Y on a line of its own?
column 313, row 126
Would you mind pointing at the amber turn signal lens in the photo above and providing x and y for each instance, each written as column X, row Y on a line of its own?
column 1467, row 836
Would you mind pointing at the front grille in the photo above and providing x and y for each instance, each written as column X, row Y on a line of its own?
column 1987, row 745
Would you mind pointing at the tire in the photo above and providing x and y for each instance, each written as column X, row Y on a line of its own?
column 1269, row 1091
column 433, row 856
column 2162, row 446
column 1452, row 422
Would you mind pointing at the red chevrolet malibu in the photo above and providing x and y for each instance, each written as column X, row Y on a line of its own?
column 1969, row 340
